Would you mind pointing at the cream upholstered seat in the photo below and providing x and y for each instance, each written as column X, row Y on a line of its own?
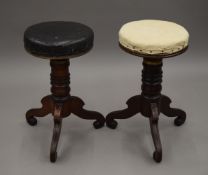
column 153, row 37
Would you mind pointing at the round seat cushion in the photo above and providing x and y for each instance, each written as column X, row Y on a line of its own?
column 153, row 37
column 58, row 39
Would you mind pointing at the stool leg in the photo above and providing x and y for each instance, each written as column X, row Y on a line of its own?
column 39, row 112
column 132, row 109
column 77, row 109
column 56, row 132
column 157, row 155
column 172, row 112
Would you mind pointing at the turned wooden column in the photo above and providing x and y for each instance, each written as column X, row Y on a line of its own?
column 151, row 85
column 60, row 79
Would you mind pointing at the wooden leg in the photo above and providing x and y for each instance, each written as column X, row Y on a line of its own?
column 56, row 132
column 172, row 112
column 77, row 109
column 157, row 155
column 132, row 109
column 39, row 112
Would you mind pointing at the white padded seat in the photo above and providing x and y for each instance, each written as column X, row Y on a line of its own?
column 153, row 37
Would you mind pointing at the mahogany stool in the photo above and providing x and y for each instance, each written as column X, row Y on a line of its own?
column 59, row 41
column 153, row 40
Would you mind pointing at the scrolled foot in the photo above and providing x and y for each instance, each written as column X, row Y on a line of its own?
column 122, row 114
column 53, row 157
column 180, row 120
column 39, row 112
column 32, row 121
column 111, row 123
column 157, row 156
column 172, row 112
column 98, row 124
column 77, row 104
column 133, row 108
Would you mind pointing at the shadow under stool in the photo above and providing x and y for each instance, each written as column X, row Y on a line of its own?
column 153, row 40
column 58, row 42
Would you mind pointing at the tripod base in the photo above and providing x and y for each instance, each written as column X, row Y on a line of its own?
column 59, row 111
column 136, row 105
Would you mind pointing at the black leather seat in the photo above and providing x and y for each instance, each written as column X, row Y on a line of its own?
column 58, row 39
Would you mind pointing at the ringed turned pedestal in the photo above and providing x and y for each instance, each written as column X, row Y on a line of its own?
column 153, row 40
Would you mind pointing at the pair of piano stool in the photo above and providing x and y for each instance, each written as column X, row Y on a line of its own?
column 151, row 39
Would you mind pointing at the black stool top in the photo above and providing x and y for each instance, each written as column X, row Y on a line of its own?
column 58, row 39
